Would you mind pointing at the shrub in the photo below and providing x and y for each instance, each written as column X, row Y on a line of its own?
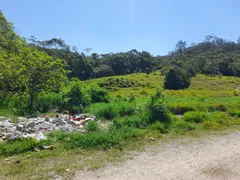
column 181, row 108
column 158, row 109
column 176, row 79
column 182, row 127
column 158, row 126
column 221, row 107
column 195, row 116
column 75, row 100
column 234, row 113
column 135, row 121
column 109, row 112
column 92, row 126
column 98, row 94
column 46, row 102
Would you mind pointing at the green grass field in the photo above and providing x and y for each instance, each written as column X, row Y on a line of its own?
column 210, row 104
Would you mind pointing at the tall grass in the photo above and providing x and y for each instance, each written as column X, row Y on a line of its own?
column 112, row 110
column 10, row 148
column 99, row 139
column 46, row 102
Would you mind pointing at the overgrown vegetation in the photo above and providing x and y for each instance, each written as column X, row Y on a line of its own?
column 45, row 77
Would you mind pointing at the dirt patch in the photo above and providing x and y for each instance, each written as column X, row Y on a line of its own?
column 213, row 158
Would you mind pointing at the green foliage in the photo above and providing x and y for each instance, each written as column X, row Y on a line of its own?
column 147, row 71
column 183, row 127
column 160, row 127
column 135, row 121
column 102, row 71
column 176, row 79
column 75, row 99
column 92, row 126
column 180, row 108
column 158, row 109
column 195, row 116
column 119, row 83
column 10, row 148
column 218, row 120
column 112, row 109
column 98, row 94
column 46, row 102
column 234, row 112
column 96, row 140
column 29, row 72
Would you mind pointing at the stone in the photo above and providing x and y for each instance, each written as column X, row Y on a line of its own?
column 67, row 127
column 20, row 126
column 22, row 119
column 31, row 125
column 35, row 127
column 6, row 123
column 47, row 119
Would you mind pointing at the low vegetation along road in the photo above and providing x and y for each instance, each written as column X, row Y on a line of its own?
column 216, row 157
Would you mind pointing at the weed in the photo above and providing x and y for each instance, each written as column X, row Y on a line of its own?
column 195, row 116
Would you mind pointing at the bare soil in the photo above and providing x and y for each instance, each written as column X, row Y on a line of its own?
column 215, row 158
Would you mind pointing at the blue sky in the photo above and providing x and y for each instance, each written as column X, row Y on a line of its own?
column 121, row 25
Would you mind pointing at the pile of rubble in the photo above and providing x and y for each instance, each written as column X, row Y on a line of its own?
column 36, row 127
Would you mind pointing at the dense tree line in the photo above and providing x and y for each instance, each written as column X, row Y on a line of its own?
column 212, row 56
column 96, row 65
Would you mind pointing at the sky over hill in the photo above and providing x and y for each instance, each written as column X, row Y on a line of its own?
column 120, row 25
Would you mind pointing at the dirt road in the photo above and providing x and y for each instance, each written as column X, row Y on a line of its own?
column 213, row 158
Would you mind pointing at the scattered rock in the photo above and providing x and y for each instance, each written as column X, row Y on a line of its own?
column 20, row 126
column 36, row 127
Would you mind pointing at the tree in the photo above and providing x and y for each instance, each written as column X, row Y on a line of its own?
column 119, row 64
column 181, row 46
column 12, row 77
column 42, row 73
column 147, row 71
column 87, row 50
column 75, row 99
column 176, row 79
column 102, row 71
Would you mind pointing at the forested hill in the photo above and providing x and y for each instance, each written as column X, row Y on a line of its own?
column 212, row 56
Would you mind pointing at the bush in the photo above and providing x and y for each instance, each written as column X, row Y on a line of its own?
column 98, row 94
column 46, row 102
column 176, row 79
column 182, row 127
column 92, row 127
column 75, row 100
column 234, row 113
column 181, row 108
column 195, row 116
column 158, row 109
column 158, row 126
column 135, row 121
